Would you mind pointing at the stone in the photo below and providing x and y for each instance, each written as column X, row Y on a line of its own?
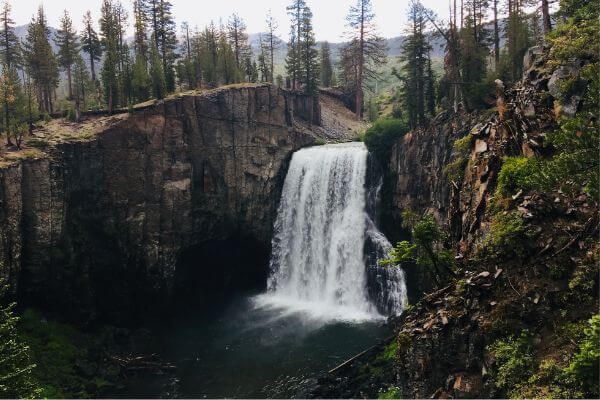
column 149, row 186
column 480, row 146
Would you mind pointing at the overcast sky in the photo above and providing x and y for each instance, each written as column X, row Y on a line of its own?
column 329, row 15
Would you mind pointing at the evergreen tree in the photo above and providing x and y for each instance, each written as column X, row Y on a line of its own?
column 308, row 54
column 371, row 49
column 263, row 65
column 326, row 67
column 415, row 54
column 10, row 47
column 68, row 47
column 157, row 75
column 140, row 26
column 90, row 43
column 40, row 60
column 140, row 80
column 164, row 28
column 238, row 38
column 227, row 68
column 293, row 60
column 13, row 103
column 81, row 83
column 16, row 369
column 517, row 37
column 186, row 66
column 271, row 42
column 110, row 43
column 210, row 54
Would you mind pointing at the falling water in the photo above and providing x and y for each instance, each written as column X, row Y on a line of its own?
column 318, row 260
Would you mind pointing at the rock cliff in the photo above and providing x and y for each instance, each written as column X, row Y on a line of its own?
column 526, row 261
column 100, row 215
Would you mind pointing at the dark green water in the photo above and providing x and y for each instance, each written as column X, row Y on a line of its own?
column 247, row 350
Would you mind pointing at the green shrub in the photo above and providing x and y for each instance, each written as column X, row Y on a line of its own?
column 514, row 361
column 515, row 174
column 585, row 365
column 392, row 393
column 463, row 145
column 508, row 235
column 381, row 136
column 426, row 247
column 38, row 143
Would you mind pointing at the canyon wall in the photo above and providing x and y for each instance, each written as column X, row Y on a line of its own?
column 94, row 221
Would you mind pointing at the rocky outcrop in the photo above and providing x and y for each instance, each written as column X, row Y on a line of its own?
column 94, row 223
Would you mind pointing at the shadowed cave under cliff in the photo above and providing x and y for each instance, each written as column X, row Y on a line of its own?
column 212, row 271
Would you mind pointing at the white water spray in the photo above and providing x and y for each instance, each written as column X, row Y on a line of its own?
column 318, row 261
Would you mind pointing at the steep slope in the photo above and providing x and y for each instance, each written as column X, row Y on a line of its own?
column 511, row 321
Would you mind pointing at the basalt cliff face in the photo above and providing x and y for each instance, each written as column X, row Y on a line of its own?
column 113, row 223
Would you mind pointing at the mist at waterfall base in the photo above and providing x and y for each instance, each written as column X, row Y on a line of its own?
column 325, row 300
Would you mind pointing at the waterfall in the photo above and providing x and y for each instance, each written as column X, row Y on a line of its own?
column 319, row 257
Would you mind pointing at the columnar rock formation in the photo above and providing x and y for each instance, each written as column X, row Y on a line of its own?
column 98, row 219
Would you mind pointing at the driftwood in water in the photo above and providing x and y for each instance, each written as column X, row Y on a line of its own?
column 359, row 355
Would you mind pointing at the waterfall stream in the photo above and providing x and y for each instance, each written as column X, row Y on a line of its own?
column 319, row 261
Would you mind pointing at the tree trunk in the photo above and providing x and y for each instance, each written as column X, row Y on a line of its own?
column 361, row 55
column 546, row 16
column 92, row 67
column 69, row 82
column 496, row 36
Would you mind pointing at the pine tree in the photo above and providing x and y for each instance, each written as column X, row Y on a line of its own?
column 293, row 60
column 474, row 41
column 415, row 54
column 40, row 60
column 263, row 65
column 68, row 47
column 160, row 16
column 10, row 47
column 308, row 54
column 326, row 67
column 371, row 49
column 90, row 43
column 517, row 37
column 238, row 38
column 210, row 54
column 110, row 43
column 81, row 83
column 16, row 369
column 271, row 42
column 227, row 68
column 157, row 75
column 140, row 26
column 186, row 65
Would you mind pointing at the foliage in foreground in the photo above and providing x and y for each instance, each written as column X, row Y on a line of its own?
column 519, row 375
column 16, row 366
column 426, row 248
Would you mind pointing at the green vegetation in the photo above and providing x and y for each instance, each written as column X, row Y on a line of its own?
column 519, row 375
column 380, row 137
column 514, row 358
column 585, row 365
column 64, row 368
column 508, row 235
column 17, row 377
column 392, row 393
column 426, row 248
column 516, row 173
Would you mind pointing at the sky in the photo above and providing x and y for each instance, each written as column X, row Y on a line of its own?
column 328, row 21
